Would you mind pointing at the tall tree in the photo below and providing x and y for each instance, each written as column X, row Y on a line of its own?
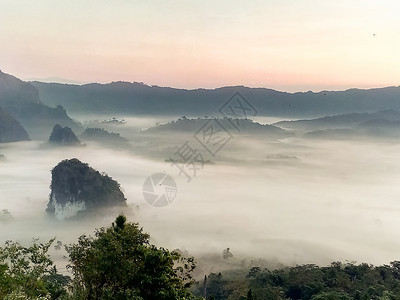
column 120, row 263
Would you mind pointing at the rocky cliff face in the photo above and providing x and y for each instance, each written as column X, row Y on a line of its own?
column 63, row 136
column 10, row 129
column 78, row 189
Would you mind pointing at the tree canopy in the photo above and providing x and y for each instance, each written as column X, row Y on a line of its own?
column 339, row 281
column 29, row 273
column 119, row 262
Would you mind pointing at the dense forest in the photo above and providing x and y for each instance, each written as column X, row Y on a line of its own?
column 119, row 262
column 339, row 281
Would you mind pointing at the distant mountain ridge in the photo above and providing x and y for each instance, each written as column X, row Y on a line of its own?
column 21, row 100
column 14, row 89
column 10, row 129
column 382, row 124
column 341, row 121
column 138, row 98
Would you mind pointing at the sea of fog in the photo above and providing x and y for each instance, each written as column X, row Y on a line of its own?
column 290, row 201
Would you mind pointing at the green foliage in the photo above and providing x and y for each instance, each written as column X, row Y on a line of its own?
column 331, row 296
column 120, row 222
column 28, row 272
column 309, row 282
column 120, row 263
column 249, row 295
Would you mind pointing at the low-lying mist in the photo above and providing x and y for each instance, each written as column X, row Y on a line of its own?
column 291, row 201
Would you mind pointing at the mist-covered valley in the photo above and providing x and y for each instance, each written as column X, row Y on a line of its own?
column 289, row 200
column 245, row 193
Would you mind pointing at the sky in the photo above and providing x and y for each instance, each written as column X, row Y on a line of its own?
column 288, row 45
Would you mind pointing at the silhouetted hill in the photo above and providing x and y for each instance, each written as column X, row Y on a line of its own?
column 330, row 134
column 63, row 136
column 10, row 129
column 77, row 188
column 382, row 124
column 21, row 100
column 340, row 121
column 107, row 138
column 137, row 98
column 14, row 89
column 244, row 126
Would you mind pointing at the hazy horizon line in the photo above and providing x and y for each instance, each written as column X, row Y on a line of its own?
column 59, row 80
